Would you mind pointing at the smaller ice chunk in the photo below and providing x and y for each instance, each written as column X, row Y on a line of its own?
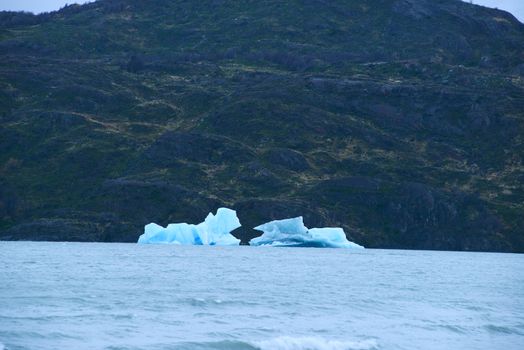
column 215, row 230
column 152, row 232
column 332, row 236
column 293, row 233
column 281, row 232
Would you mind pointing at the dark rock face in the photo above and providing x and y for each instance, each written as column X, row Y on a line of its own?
column 256, row 174
column 141, row 202
column 55, row 122
column 9, row 203
column 399, row 120
column 194, row 147
column 414, row 215
column 417, row 9
column 135, row 64
column 288, row 159
column 55, row 230
column 519, row 70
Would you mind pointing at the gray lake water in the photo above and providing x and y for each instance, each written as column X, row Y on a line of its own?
column 125, row 296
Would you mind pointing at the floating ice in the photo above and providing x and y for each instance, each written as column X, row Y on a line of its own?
column 293, row 233
column 215, row 230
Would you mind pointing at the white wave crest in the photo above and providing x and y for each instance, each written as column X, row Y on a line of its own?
column 314, row 343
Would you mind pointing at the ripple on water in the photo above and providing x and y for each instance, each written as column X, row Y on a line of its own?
column 218, row 345
column 497, row 329
column 40, row 335
column 453, row 328
column 314, row 343
column 282, row 343
column 216, row 302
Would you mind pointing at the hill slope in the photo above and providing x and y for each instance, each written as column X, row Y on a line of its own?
column 400, row 120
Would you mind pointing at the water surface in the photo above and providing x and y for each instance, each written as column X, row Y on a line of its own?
column 126, row 296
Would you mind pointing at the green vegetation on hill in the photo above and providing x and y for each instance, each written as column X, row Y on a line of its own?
column 401, row 121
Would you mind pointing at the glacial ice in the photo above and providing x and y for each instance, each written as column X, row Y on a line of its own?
column 293, row 233
column 215, row 230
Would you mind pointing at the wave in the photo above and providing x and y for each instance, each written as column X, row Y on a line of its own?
column 219, row 345
column 201, row 302
column 314, row 343
column 501, row 329
column 283, row 343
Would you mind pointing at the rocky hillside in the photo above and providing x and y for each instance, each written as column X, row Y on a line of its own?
column 400, row 120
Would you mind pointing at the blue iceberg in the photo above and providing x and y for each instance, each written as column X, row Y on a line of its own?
column 215, row 230
column 293, row 233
